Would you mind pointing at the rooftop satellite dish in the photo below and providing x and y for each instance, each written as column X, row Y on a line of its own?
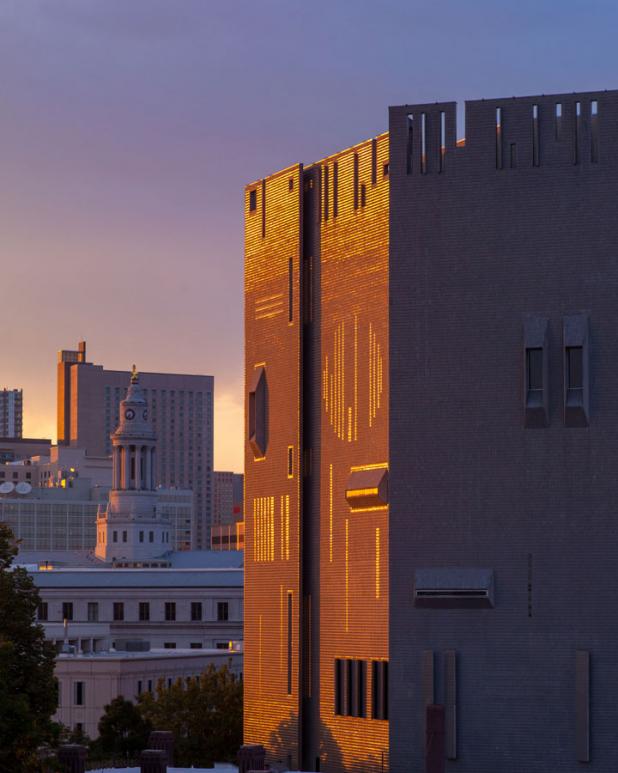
column 23, row 487
column 6, row 487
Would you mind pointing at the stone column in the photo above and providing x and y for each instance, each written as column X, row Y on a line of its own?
column 148, row 454
column 138, row 467
column 126, row 467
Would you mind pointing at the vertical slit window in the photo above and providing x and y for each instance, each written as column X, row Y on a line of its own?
column 513, row 155
column 290, row 461
column 534, row 368
column 252, row 200
column 374, row 161
column 335, row 189
column 578, row 120
column 442, row 153
column 361, row 675
column 349, row 708
column 410, row 144
column 535, row 135
column 289, row 643
column 263, row 208
column 290, row 290
column 355, row 182
column 594, row 131
column 575, row 367
column 423, row 143
column 558, row 120
column 339, row 687
column 499, row 129
column 325, row 198
column 363, row 194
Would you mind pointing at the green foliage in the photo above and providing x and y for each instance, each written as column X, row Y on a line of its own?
column 123, row 732
column 204, row 715
column 28, row 688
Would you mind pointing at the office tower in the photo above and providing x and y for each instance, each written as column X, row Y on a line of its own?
column 181, row 410
column 447, row 307
column 11, row 412
column 227, row 497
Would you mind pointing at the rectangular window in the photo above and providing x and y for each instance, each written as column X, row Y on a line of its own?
column 93, row 612
column 115, row 536
column 535, row 135
column 291, row 290
column 423, row 143
column 169, row 645
column 374, row 161
column 170, row 611
column 67, row 610
column 379, row 689
column 141, row 536
column 144, row 611
column 499, row 134
column 118, row 610
column 196, row 610
column 290, row 461
column 252, row 200
column 43, row 611
column 335, row 189
column 594, row 131
column 363, row 195
column 534, row 366
column 222, row 610
column 139, row 686
column 575, row 367
column 196, row 645
column 151, row 536
column 80, row 693
column 124, row 536
column 355, row 181
column 339, row 687
column 410, row 145
column 289, row 643
column 326, row 194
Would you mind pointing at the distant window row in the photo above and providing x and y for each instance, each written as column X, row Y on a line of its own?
column 118, row 611
column 351, row 688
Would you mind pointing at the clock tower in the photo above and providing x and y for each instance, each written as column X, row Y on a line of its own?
column 130, row 531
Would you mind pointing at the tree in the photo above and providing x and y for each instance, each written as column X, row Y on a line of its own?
column 204, row 714
column 122, row 730
column 28, row 688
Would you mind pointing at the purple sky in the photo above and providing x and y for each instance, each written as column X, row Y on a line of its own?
column 128, row 129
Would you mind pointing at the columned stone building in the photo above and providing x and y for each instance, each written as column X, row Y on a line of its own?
column 131, row 528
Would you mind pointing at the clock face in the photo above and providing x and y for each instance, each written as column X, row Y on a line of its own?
column 129, row 414
column 145, row 415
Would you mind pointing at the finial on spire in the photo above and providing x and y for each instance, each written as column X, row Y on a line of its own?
column 134, row 375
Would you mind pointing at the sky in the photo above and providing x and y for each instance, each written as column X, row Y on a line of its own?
column 129, row 128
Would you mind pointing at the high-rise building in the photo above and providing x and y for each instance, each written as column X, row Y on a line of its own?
column 430, row 349
column 227, row 497
column 181, row 410
column 11, row 412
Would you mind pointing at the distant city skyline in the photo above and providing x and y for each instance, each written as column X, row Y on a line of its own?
column 130, row 129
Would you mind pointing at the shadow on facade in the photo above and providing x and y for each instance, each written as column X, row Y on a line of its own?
column 331, row 760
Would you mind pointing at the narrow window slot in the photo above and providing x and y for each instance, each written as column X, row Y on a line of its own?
column 289, row 643
column 535, row 135
column 356, row 181
column 363, row 195
column 594, row 131
column 513, row 155
column 325, row 198
column 290, row 461
column 558, row 120
column 335, row 189
column 575, row 368
column 374, row 161
column 263, row 208
column 410, row 147
column 291, row 290
column 534, row 367
column 442, row 153
column 291, row 184
column 578, row 119
column 252, row 200
column 499, row 138
column 339, row 687
column 385, row 170
column 423, row 143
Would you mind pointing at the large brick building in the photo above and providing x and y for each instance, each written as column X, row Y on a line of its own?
column 487, row 269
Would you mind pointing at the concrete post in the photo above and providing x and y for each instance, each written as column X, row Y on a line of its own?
column 162, row 740
column 72, row 758
column 153, row 761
